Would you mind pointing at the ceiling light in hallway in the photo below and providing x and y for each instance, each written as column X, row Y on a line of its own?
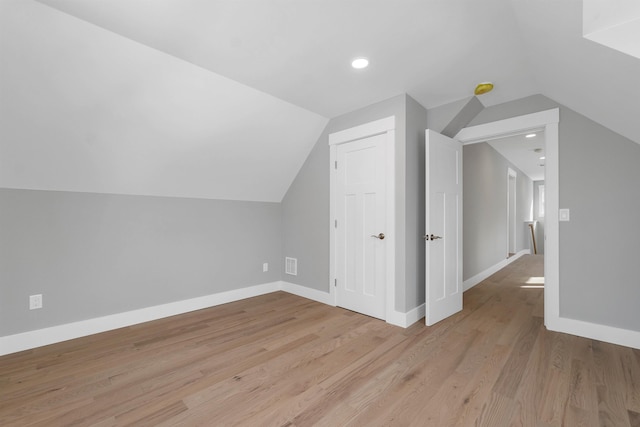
column 360, row 63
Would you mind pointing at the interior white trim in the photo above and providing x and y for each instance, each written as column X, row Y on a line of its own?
column 32, row 339
column 309, row 293
column 396, row 318
column 41, row 337
column 508, row 127
column 377, row 127
column 595, row 331
column 512, row 234
column 363, row 131
column 474, row 280
column 547, row 121
column 404, row 320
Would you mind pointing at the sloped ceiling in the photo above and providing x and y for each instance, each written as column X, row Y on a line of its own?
column 614, row 23
column 84, row 109
column 301, row 51
column 224, row 98
column 596, row 81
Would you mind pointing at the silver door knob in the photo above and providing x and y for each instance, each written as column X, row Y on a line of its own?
column 379, row 236
column 431, row 237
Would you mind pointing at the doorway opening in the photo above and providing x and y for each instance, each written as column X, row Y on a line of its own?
column 512, row 223
column 546, row 122
column 525, row 179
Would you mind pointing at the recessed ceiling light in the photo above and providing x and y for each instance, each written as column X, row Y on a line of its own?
column 530, row 135
column 542, row 158
column 360, row 63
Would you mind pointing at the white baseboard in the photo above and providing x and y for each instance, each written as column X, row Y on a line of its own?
column 404, row 320
column 472, row 281
column 596, row 331
column 303, row 291
column 41, row 337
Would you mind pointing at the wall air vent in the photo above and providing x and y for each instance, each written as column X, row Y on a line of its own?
column 291, row 266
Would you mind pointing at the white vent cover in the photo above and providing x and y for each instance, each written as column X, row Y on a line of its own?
column 291, row 266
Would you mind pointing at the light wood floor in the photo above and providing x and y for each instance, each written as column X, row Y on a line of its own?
column 281, row 360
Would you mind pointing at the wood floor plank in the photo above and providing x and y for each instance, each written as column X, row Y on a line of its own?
column 556, row 374
column 611, row 395
column 496, row 411
column 631, row 368
column 408, row 392
column 282, row 360
column 329, row 391
column 511, row 375
column 634, row 419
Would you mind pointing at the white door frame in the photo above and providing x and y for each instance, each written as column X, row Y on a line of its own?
column 548, row 121
column 385, row 126
column 512, row 239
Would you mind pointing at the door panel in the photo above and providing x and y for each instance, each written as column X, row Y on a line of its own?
column 443, row 225
column 360, row 212
column 437, row 247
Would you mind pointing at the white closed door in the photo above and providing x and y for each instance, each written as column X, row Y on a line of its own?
column 443, row 227
column 360, row 220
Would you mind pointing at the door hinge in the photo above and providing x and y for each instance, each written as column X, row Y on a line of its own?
column 335, row 223
column 335, row 282
column 336, row 164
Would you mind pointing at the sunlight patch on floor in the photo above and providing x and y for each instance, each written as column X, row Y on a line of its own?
column 534, row 283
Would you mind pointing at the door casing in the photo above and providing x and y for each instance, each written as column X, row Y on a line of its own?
column 548, row 121
column 361, row 208
column 387, row 127
column 512, row 202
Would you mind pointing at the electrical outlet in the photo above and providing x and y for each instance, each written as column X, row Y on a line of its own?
column 35, row 301
column 265, row 267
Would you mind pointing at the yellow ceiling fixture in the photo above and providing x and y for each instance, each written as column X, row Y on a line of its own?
column 483, row 88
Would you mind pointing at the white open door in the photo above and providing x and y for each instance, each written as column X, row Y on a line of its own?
column 443, row 227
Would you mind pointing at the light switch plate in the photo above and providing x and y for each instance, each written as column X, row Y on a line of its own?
column 564, row 215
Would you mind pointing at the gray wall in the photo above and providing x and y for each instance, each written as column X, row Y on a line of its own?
column 415, row 204
column 97, row 254
column 305, row 207
column 540, row 220
column 524, row 210
column 93, row 255
column 600, row 182
column 485, row 208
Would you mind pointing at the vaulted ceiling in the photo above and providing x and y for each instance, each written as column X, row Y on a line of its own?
column 225, row 98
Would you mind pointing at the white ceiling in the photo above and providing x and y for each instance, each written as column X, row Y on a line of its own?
column 525, row 153
column 227, row 97
column 301, row 51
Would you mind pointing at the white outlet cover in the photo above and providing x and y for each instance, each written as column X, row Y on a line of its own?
column 35, row 301
column 265, row 267
column 564, row 215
